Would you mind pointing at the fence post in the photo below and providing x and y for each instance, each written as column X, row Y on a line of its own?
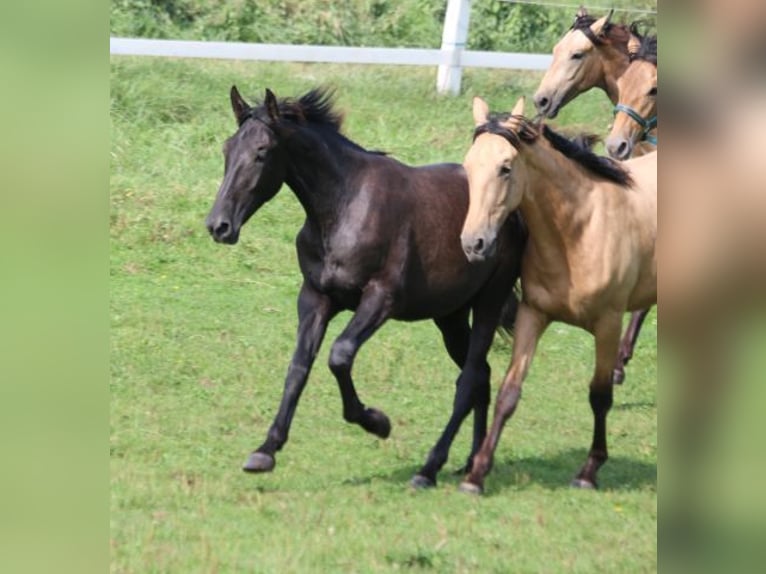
column 454, row 36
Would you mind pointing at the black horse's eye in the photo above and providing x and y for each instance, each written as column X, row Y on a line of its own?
column 505, row 170
column 578, row 55
column 653, row 91
column 260, row 153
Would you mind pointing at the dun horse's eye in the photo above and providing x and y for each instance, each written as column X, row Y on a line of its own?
column 578, row 55
column 505, row 170
column 653, row 91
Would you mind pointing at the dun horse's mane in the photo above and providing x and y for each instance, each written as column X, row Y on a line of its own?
column 577, row 149
column 647, row 49
column 618, row 33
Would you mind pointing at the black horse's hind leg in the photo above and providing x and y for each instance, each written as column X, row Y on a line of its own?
column 472, row 389
column 627, row 344
column 371, row 313
column 314, row 312
column 456, row 333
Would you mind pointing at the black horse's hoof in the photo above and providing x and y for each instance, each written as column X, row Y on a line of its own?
column 259, row 462
column 419, row 482
column 618, row 376
column 376, row 422
column 470, row 488
column 583, row 483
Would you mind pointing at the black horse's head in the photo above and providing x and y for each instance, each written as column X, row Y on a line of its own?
column 254, row 167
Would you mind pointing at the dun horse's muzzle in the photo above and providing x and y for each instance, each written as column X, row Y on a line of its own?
column 477, row 248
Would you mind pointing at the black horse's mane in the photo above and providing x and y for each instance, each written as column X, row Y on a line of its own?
column 317, row 109
column 577, row 149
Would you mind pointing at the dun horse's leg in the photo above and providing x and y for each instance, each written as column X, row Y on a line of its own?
column 314, row 312
column 371, row 313
column 627, row 345
column 530, row 325
column 607, row 334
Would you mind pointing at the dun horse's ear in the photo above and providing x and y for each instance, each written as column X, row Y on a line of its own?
column 599, row 26
column 272, row 108
column 480, row 111
column 240, row 107
column 582, row 12
column 518, row 109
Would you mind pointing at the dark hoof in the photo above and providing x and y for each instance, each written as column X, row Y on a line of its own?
column 618, row 376
column 259, row 462
column 470, row 488
column 583, row 483
column 376, row 422
column 419, row 482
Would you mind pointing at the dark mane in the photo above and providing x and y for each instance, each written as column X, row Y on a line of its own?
column 316, row 108
column 647, row 49
column 618, row 33
column 606, row 167
column 577, row 149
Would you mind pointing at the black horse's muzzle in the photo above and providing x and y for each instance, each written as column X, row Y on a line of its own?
column 222, row 229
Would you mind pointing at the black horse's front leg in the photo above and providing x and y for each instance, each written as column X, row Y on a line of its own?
column 314, row 313
column 372, row 311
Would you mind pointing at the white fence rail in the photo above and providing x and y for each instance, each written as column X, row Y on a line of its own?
column 329, row 54
column 450, row 59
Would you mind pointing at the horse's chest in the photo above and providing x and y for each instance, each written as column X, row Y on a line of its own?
column 342, row 262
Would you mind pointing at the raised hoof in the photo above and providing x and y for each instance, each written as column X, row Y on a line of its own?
column 470, row 488
column 377, row 423
column 420, row 482
column 618, row 376
column 583, row 483
column 259, row 462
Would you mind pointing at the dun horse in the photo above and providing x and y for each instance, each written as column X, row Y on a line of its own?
column 590, row 255
column 380, row 238
column 594, row 53
column 635, row 119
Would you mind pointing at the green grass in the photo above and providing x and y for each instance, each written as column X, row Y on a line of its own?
column 201, row 335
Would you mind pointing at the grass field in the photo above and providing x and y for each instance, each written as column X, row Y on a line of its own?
column 201, row 335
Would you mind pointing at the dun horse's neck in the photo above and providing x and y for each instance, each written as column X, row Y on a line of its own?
column 614, row 62
column 554, row 191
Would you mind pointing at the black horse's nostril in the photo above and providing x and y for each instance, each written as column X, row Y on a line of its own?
column 222, row 229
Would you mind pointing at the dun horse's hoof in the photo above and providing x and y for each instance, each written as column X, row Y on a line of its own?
column 618, row 376
column 259, row 462
column 470, row 488
column 583, row 483
column 376, row 422
column 419, row 482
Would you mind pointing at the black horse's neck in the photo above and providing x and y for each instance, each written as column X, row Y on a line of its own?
column 319, row 164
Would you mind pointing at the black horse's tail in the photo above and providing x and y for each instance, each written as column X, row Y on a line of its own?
column 511, row 306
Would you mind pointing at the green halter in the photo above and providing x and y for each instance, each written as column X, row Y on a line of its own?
column 647, row 124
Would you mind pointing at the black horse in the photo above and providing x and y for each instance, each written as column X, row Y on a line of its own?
column 380, row 238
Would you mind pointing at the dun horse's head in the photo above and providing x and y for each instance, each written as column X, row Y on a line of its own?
column 577, row 64
column 636, row 112
column 254, row 167
column 491, row 173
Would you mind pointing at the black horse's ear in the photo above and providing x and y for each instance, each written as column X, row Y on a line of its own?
column 240, row 107
column 272, row 108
